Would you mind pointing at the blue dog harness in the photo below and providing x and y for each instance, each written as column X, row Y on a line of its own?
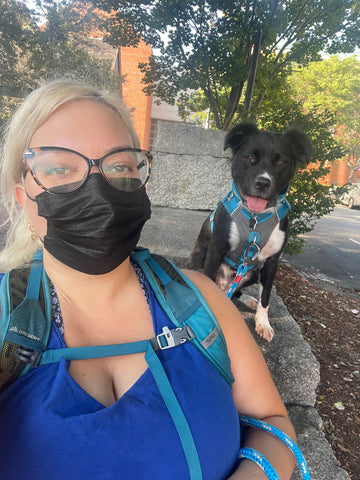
column 254, row 229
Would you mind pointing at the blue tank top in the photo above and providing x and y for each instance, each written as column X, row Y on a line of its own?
column 50, row 428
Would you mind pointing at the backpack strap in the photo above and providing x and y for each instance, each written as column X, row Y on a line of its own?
column 176, row 413
column 24, row 328
column 185, row 306
column 25, row 331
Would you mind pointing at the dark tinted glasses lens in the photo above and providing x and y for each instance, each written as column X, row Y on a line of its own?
column 126, row 170
column 59, row 171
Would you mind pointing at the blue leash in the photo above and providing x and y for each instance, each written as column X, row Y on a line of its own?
column 259, row 459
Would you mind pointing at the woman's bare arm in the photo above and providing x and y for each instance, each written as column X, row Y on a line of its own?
column 254, row 391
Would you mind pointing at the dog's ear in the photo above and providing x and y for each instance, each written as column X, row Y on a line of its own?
column 298, row 145
column 238, row 135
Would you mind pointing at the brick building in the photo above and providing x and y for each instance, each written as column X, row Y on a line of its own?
column 340, row 173
column 146, row 110
column 132, row 89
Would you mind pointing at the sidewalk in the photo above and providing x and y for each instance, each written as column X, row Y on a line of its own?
column 172, row 232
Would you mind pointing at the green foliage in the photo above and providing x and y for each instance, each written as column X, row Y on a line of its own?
column 47, row 42
column 333, row 85
column 206, row 45
column 309, row 201
column 15, row 38
column 317, row 124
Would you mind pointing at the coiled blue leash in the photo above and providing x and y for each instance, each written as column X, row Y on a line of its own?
column 259, row 459
column 256, row 457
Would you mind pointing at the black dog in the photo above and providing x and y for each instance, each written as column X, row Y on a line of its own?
column 241, row 241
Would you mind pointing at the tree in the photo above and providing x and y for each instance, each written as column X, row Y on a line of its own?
column 309, row 199
column 49, row 41
column 207, row 44
column 15, row 36
column 333, row 84
column 61, row 43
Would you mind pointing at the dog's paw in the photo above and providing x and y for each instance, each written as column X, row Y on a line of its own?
column 262, row 325
column 265, row 331
column 249, row 301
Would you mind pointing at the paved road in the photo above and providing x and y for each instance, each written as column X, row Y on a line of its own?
column 333, row 248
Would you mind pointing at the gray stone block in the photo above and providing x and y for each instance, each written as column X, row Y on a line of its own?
column 188, row 181
column 172, row 232
column 190, row 169
column 185, row 139
column 317, row 452
column 292, row 365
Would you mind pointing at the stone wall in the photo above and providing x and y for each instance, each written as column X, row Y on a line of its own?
column 190, row 168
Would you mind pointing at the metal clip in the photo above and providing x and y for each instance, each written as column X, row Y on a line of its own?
column 172, row 338
column 31, row 357
column 253, row 222
column 255, row 254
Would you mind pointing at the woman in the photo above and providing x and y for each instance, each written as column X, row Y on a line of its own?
column 104, row 418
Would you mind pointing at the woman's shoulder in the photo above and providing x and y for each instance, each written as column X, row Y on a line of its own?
column 201, row 281
column 252, row 378
column 225, row 311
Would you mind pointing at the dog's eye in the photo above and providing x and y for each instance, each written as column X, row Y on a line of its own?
column 281, row 162
column 251, row 158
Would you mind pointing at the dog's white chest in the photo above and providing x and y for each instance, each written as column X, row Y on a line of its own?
column 273, row 245
column 234, row 237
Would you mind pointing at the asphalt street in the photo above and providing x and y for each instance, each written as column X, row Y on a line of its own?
column 333, row 248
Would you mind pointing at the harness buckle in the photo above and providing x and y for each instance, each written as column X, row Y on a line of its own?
column 255, row 254
column 31, row 357
column 253, row 222
column 174, row 337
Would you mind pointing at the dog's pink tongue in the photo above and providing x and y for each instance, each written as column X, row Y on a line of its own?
column 256, row 204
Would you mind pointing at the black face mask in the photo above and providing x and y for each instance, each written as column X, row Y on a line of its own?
column 95, row 228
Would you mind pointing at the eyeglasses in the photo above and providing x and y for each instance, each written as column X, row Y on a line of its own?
column 61, row 170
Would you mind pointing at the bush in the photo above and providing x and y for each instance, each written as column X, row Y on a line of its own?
column 309, row 201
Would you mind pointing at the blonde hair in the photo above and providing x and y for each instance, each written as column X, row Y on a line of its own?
column 34, row 111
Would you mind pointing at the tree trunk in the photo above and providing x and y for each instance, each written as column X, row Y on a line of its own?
column 354, row 164
column 214, row 108
column 352, row 169
column 232, row 106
